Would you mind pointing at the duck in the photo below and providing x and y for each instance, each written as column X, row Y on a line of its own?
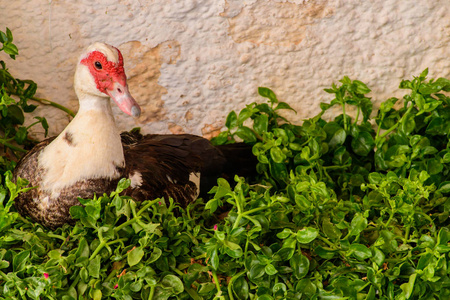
column 91, row 155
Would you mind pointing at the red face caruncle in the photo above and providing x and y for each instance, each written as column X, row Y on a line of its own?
column 110, row 79
column 105, row 72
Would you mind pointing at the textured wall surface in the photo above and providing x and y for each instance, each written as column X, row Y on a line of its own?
column 190, row 62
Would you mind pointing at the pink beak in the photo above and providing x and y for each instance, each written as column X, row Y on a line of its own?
column 120, row 94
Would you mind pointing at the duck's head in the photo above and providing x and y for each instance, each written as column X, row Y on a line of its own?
column 100, row 74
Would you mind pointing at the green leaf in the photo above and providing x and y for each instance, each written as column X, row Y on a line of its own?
column 284, row 234
column 9, row 35
column 20, row 260
column 361, row 252
column 278, row 171
column 277, row 155
column 409, row 286
column 363, row 144
column 156, row 254
column 231, row 121
column 261, row 123
column 97, row 294
column 233, row 249
column 325, row 253
column 246, row 134
column 284, row 105
column 444, row 187
column 136, row 286
column 30, row 90
column 378, row 256
column 123, row 184
column 221, row 139
column 257, row 271
column 358, row 224
column 424, row 74
column 94, row 267
column 244, row 115
column 56, row 254
column 284, row 253
column 10, row 49
column 21, row 134
column 135, row 256
column 270, row 269
column 434, row 166
column 387, row 105
column 77, row 212
column 268, row 93
column 300, row 265
column 361, row 87
column 205, row 288
column 279, row 289
column 336, row 135
column 366, row 108
column 408, row 124
column 330, row 230
column 241, row 288
column 44, row 124
column 16, row 114
column 4, row 264
column 307, row 235
column 3, row 37
column 173, row 283
column 215, row 259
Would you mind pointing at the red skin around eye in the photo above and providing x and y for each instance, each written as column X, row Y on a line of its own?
column 110, row 72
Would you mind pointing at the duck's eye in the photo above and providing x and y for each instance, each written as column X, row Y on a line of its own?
column 98, row 65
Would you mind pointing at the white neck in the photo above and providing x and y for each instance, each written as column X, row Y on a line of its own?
column 89, row 147
column 94, row 103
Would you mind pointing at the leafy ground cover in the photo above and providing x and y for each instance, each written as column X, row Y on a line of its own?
column 348, row 208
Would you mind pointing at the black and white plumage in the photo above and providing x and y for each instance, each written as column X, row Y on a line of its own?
column 90, row 156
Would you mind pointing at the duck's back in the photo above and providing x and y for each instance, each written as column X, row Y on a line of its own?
column 170, row 165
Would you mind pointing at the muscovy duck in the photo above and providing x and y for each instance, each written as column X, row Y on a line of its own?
column 90, row 155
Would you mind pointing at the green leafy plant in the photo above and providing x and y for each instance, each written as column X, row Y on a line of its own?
column 14, row 97
column 348, row 208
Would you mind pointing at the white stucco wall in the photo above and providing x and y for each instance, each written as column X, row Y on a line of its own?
column 190, row 62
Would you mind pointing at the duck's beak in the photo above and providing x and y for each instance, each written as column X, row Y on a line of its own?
column 120, row 94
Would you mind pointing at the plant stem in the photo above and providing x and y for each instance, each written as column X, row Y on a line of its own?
column 216, row 281
column 235, row 277
column 177, row 271
column 239, row 199
column 111, row 275
column 48, row 102
column 357, row 115
column 144, row 208
column 255, row 210
column 238, row 220
column 344, row 116
column 327, row 242
column 31, row 125
column 401, row 121
column 391, row 216
column 54, row 104
column 200, row 256
column 3, row 275
column 152, row 292
column 51, row 235
column 117, row 241
column 98, row 249
column 389, row 131
column 75, row 282
column 124, row 224
column 337, row 167
column 379, row 127
column 15, row 148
